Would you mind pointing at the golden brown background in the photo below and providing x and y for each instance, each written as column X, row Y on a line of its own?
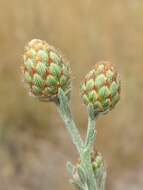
column 34, row 144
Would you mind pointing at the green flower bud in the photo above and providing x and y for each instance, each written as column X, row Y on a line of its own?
column 101, row 87
column 96, row 161
column 45, row 71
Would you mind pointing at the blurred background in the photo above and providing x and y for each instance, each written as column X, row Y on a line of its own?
column 34, row 145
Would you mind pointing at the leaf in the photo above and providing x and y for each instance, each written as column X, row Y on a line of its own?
column 82, row 174
column 100, row 176
column 77, row 184
column 70, row 168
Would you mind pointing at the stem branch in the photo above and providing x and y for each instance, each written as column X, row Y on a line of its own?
column 91, row 131
column 65, row 112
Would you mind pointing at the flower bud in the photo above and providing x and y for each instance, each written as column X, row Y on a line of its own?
column 97, row 163
column 45, row 71
column 101, row 87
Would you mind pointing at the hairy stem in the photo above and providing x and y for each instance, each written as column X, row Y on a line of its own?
column 84, row 148
column 65, row 112
column 87, row 165
column 91, row 133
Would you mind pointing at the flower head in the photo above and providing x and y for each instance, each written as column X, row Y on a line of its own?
column 45, row 71
column 101, row 87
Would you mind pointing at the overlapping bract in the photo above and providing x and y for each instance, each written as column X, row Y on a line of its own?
column 45, row 71
column 101, row 87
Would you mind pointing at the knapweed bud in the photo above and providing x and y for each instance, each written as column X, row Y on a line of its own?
column 101, row 87
column 45, row 71
column 97, row 161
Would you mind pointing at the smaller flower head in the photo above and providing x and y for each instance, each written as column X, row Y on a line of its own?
column 101, row 87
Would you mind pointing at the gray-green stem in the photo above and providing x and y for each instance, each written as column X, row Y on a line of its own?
column 84, row 148
column 91, row 131
column 64, row 110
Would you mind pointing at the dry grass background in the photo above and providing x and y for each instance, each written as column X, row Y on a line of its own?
column 34, row 145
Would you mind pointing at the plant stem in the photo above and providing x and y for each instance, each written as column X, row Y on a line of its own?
column 91, row 133
column 90, row 139
column 65, row 112
column 87, row 165
column 84, row 149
